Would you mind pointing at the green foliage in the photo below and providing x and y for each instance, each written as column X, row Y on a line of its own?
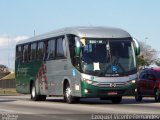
column 141, row 61
column 157, row 62
column 147, row 56
column 3, row 68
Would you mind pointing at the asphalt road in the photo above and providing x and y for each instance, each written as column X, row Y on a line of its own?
column 54, row 108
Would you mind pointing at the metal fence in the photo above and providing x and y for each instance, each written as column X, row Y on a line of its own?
column 6, row 84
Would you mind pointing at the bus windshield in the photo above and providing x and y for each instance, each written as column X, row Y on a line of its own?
column 108, row 57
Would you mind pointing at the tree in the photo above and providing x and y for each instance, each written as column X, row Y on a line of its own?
column 3, row 69
column 147, row 56
column 157, row 62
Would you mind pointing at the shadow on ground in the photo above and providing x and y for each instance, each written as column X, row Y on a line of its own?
column 7, row 101
column 129, row 100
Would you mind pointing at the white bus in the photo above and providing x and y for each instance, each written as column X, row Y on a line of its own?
column 77, row 62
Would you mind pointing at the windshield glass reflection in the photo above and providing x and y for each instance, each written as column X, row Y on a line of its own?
column 108, row 57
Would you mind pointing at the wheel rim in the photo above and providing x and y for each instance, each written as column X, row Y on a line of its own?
column 33, row 92
column 68, row 92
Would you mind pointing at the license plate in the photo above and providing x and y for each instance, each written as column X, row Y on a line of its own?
column 112, row 93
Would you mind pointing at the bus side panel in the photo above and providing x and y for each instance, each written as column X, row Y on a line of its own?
column 76, row 86
column 26, row 72
column 57, row 71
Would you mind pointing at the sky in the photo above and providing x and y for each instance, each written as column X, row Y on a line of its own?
column 19, row 19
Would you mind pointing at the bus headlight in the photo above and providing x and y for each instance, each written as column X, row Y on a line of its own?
column 91, row 82
column 87, row 81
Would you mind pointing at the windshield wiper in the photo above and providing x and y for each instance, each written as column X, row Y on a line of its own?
column 101, row 74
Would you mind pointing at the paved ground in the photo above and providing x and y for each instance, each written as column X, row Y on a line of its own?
column 54, row 108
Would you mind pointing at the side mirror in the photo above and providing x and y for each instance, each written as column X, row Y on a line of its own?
column 136, row 47
column 77, row 47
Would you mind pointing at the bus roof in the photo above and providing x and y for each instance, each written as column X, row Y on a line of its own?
column 82, row 32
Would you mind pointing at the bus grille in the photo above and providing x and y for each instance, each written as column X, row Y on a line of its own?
column 117, row 84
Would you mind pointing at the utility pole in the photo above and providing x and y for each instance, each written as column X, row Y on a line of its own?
column 34, row 33
column 8, row 52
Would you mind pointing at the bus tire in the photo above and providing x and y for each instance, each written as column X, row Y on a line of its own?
column 34, row 96
column 116, row 100
column 157, row 95
column 68, row 95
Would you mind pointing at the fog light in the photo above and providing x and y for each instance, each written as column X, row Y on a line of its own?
column 85, row 90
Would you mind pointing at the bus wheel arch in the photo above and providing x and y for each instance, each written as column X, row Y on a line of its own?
column 64, row 84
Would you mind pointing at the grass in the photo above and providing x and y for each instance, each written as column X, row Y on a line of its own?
column 8, row 92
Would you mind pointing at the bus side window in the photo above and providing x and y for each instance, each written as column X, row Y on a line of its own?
column 71, row 41
column 65, row 47
column 45, row 50
column 19, row 54
column 33, row 51
column 29, row 52
column 25, row 53
column 51, row 49
column 60, row 48
column 40, row 51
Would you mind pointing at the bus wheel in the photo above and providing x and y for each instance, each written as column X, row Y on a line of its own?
column 34, row 97
column 157, row 95
column 117, row 100
column 67, row 95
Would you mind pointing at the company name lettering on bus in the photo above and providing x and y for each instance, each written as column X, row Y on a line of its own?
column 22, row 71
column 51, row 84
